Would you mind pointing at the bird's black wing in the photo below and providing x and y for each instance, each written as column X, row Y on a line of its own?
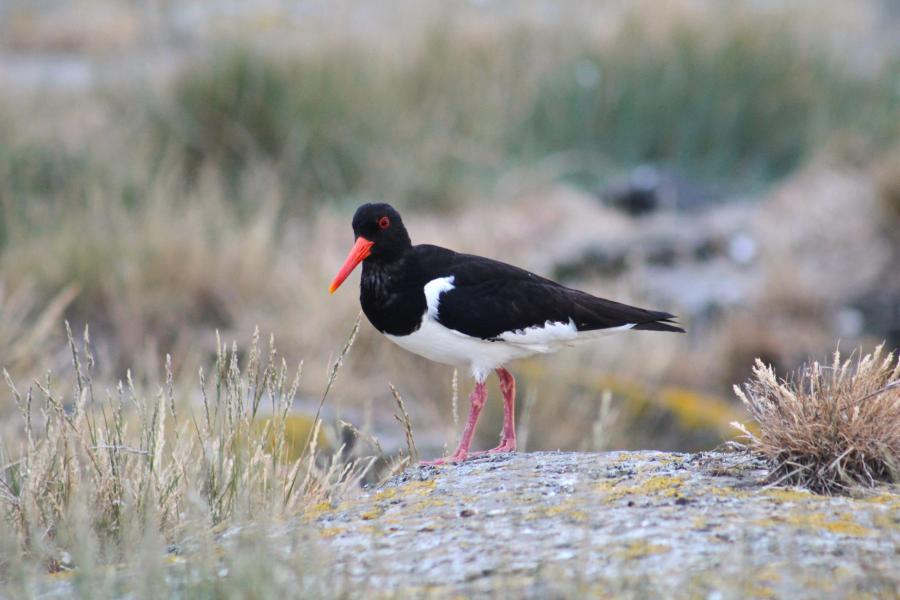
column 490, row 298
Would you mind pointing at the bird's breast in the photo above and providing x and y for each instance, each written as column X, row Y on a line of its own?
column 392, row 306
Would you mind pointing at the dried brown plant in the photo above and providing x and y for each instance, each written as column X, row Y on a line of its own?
column 830, row 428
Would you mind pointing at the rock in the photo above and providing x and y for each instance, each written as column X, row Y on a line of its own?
column 646, row 524
column 648, row 189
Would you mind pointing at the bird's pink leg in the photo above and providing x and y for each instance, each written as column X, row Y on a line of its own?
column 477, row 400
column 508, row 388
column 508, row 436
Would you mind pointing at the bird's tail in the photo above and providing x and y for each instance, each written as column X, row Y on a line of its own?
column 662, row 324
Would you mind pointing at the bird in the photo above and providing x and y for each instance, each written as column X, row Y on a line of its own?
column 473, row 312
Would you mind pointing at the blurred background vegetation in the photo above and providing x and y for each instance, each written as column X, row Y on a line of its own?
column 169, row 170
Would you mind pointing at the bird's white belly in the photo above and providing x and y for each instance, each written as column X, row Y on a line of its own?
column 440, row 344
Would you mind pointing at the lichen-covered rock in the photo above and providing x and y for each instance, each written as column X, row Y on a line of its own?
column 634, row 524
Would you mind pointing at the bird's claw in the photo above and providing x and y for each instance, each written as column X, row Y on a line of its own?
column 459, row 456
column 504, row 447
column 456, row 457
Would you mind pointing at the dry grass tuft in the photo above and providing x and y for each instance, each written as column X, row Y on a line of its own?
column 100, row 467
column 155, row 275
column 830, row 428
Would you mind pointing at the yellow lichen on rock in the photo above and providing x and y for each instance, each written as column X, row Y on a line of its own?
column 410, row 488
column 657, row 485
column 887, row 499
column 317, row 510
column 330, row 532
column 843, row 524
column 641, row 548
column 371, row 515
column 420, row 487
column 605, row 485
column 660, row 485
column 818, row 521
column 426, row 504
column 375, row 506
column 385, row 494
column 726, row 492
column 568, row 509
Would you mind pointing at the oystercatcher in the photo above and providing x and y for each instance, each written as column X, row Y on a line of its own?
column 473, row 312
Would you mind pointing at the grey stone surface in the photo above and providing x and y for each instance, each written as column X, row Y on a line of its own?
column 626, row 524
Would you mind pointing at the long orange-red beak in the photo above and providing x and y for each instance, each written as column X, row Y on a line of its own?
column 361, row 249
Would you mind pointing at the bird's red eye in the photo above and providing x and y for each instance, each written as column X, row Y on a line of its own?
column 384, row 223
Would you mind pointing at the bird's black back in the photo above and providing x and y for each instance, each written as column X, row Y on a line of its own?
column 488, row 298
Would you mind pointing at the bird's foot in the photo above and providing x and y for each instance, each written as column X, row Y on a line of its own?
column 505, row 446
column 456, row 457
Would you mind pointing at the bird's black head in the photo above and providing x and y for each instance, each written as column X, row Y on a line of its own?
column 380, row 237
column 381, row 225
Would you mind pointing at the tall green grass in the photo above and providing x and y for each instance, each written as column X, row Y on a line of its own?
column 306, row 117
column 35, row 174
column 342, row 122
column 742, row 102
column 733, row 99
